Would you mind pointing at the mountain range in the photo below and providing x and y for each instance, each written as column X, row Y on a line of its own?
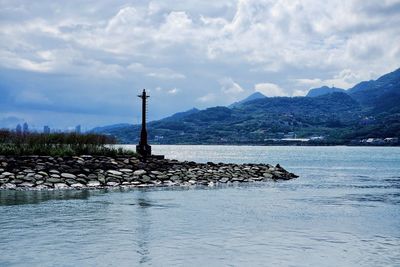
column 337, row 116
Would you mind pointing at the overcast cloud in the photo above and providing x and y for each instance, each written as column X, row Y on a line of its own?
column 64, row 63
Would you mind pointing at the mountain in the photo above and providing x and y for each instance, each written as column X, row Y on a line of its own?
column 108, row 128
column 323, row 91
column 183, row 114
column 251, row 121
column 373, row 93
column 369, row 109
column 254, row 96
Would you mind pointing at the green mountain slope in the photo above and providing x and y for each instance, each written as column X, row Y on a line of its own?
column 369, row 109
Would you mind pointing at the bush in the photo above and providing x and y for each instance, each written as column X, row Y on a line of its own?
column 58, row 144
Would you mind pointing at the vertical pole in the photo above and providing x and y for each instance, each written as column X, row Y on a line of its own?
column 143, row 148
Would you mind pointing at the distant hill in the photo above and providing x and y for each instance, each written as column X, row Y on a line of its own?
column 373, row 93
column 369, row 109
column 323, row 91
column 108, row 128
column 183, row 114
column 254, row 96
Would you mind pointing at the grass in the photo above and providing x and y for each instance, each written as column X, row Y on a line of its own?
column 58, row 144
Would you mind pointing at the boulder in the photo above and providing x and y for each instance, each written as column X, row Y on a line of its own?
column 126, row 170
column 93, row 183
column 77, row 185
column 145, row 179
column 139, row 172
column 68, row 175
column 26, row 184
column 53, row 180
column 60, row 186
column 113, row 172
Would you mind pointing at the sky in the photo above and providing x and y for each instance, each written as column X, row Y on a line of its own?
column 64, row 63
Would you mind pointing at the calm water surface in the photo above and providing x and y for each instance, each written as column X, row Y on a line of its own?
column 344, row 210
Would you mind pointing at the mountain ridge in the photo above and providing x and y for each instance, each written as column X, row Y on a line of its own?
column 337, row 116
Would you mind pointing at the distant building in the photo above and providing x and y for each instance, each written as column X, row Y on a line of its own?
column 78, row 129
column 391, row 140
column 46, row 129
column 290, row 135
column 18, row 129
column 25, row 128
column 317, row 138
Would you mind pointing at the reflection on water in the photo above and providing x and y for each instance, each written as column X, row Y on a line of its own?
column 10, row 197
column 143, row 229
column 343, row 211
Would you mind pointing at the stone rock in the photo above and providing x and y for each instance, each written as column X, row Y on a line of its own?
column 60, row 186
column 9, row 186
column 223, row 180
column 175, row 178
column 81, row 180
column 16, row 181
column 68, row 175
column 126, row 170
column 91, row 177
column 139, row 172
column 162, row 177
column 41, row 187
column 267, row 175
column 77, row 185
column 44, row 174
column 70, row 181
column 47, row 172
column 93, row 183
column 26, row 184
column 30, row 178
column 117, row 173
column 53, row 180
column 145, row 179
column 101, row 178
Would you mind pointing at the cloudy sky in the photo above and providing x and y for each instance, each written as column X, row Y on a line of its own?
column 64, row 63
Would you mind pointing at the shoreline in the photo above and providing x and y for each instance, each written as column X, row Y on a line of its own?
column 99, row 172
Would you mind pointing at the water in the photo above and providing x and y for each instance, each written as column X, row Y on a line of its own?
column 344, row 210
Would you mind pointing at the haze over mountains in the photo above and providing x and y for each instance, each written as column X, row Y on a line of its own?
column 369, row 109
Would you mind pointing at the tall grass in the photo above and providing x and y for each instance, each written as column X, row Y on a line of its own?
column 58, row 144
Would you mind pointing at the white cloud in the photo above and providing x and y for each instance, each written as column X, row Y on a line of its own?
column 269, row 89
column 173, row 91
column 228, row 86
column 206, row 98
column 296, row 44
column 160, row 73
column 345, row 79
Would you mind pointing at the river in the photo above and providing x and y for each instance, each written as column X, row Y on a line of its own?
column 343, row 210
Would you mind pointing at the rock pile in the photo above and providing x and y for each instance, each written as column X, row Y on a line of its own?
column 44, row 172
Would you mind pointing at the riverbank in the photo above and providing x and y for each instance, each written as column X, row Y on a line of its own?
column 48, row 173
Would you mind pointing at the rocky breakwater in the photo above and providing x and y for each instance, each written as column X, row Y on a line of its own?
column 43, row 172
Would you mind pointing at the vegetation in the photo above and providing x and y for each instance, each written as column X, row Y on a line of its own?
column 58, row 144
column 368, row 110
